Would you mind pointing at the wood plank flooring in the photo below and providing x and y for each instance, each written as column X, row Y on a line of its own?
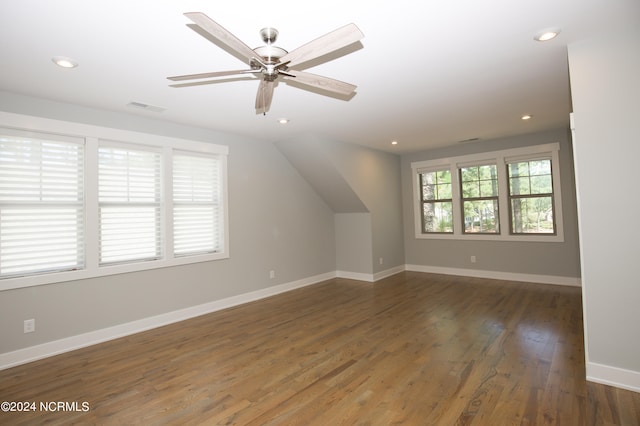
column 413, row 349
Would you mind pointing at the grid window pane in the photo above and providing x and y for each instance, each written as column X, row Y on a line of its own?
column 531, row 197
column 541, row 184
column 436, row 185
column 479, row 188
column 470, row 189
column 437, row 206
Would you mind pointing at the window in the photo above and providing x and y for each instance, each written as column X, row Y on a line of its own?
column 41, row 203
column 197, row 211
column 508, row 195
column 531, row 197
column 479, row 188
column 129, row 197
column 437, row 206
column 114, row 202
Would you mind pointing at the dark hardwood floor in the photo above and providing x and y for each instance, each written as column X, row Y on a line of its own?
column 413, row 349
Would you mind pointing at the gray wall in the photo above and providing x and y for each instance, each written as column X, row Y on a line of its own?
column 354, row 247
column 604, row 75
column 277, row 222
column 536, row 258
column 375, row 177
column 360, row 181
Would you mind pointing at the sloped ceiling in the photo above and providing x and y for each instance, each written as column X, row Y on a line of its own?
column 305, row 153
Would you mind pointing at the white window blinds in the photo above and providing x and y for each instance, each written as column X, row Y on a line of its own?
column 197, row 206
column 129, row 204
column 41, row 203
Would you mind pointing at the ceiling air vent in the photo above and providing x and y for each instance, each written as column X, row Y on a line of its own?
column 146, row 107
column 469, row 140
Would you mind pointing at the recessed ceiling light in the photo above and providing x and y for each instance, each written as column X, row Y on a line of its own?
column 283, row 120
column 64, row 62
column 394, row 142
column 527, row 117
column 547, row 34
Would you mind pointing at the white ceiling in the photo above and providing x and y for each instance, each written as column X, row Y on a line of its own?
column 429, row 73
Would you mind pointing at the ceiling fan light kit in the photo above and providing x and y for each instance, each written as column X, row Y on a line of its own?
column 270, row 62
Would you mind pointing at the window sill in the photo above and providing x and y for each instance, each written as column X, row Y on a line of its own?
column 488, row 237
column 57, row 277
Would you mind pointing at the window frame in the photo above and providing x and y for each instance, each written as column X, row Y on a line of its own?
column 464, row 199
column 531, row 196
column 93, row 135
column 501, row 158
column 435, row 202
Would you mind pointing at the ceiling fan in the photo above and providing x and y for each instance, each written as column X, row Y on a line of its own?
column 270, row 63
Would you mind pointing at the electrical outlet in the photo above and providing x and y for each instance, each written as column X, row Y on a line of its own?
column 473, row 259
column 29, row 325
column 272, row 274
column 381, row 261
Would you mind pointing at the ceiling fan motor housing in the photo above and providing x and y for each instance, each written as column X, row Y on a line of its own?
column 269, row 54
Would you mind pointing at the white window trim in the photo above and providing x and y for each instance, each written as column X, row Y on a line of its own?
column 500, row 158
column 93, row 135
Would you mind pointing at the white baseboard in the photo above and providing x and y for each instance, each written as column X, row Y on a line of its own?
column 388, row 272
column 497, row 275
column 371, row 278
column 33, row 353
column 359, row 276
column 613, row 376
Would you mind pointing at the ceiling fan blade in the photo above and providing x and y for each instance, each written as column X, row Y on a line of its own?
column 206, row 82
column 264, row 96
column 326, row 44
column 221, row 34
column 320, row 82
column 211, row 75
